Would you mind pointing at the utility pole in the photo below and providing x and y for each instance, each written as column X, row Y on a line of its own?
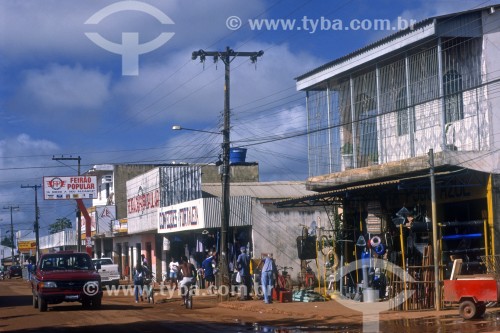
column 78, row 212
column 227, row 57
column 37, row 216
column 11, row 231
column 435, row 244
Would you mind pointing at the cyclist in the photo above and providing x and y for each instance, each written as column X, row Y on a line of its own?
column 188, row 273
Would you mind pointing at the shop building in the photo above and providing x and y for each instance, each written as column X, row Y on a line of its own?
column 424, row 97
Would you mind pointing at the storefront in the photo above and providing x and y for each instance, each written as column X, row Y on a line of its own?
column 392, row 218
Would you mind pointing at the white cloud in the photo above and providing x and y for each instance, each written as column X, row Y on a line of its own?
column 63, row 88
column 21, row 163
column 61, row 93
column 33, row 30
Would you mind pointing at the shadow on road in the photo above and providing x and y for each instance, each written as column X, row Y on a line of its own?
column 19, row 300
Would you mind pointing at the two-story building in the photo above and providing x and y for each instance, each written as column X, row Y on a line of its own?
column 382, row 117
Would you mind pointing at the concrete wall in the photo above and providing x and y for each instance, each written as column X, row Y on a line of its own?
column 122, row 173
column 276, row 230
column 248, row 172
column 491, row 70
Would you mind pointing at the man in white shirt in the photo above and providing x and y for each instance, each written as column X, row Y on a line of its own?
column 174, row 269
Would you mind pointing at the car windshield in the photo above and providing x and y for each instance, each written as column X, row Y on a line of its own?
column 66, row 261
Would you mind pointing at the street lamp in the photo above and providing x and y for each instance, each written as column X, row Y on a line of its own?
column 225, row 208
column 179, row 128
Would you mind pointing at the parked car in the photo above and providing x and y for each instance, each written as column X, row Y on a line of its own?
column 108, row 271
column 14, row 270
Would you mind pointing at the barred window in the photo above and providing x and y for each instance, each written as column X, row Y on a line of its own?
column 453, row 97
column 402, row 112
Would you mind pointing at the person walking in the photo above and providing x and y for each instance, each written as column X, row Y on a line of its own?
column 208, row 271
column 174, row 269
column 269, row 270
column 243, row 264
column 139, row 275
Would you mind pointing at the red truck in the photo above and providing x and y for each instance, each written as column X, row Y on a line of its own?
column 65, row 277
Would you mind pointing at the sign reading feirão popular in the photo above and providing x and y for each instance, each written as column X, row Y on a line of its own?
column 64, row 188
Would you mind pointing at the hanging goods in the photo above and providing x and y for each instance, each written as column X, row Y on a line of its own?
column 379, row 249
column 375, row 241
column 306, row 247
column 361, row 241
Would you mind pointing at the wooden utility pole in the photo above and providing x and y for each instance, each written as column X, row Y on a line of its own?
column 37, row 216
column 227, row 57
column 11, row 231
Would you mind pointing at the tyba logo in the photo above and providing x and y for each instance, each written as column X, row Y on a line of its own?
column 130, row 49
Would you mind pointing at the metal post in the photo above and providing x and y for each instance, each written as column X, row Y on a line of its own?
column 78, row 212
column 435, row 244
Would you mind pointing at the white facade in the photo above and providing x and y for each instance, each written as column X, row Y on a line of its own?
column 143, row 202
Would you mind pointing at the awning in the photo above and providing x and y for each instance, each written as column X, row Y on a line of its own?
column 336, row 195
column 330, row 197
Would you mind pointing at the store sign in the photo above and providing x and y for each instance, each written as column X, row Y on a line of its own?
column 26, row 246
column 143, row 201
column 66, row 188
column 184, row 216
column 120, row 226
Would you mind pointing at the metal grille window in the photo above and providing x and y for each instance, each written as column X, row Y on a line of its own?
column 453, row 99
column 402, row 113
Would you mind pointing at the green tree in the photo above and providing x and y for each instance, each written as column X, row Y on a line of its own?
column 60, row 225
column 6, row 241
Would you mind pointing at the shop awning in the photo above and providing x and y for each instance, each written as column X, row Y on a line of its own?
column 330, row 197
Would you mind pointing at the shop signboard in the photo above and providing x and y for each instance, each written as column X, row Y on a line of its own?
column 68, row 188
column 143, row 201
column 184, row 216
column 26, row 246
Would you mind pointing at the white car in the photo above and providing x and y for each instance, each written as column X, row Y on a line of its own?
column 108, row 271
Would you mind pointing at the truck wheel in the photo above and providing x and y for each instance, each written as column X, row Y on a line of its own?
column 35, row 302
column 467, row 310
column 42, row 304
column 86, row 303
column 96, row 302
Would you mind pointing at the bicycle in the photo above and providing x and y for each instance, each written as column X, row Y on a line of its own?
column 187, row 295
column 149, row 286
column 308, row 278
column 284, row 279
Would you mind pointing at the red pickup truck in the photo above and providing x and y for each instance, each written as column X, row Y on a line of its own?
column 65, row 277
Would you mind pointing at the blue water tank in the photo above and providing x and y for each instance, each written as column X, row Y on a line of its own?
column 237, row 155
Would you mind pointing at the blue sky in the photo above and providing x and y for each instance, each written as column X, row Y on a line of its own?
column 63, row 95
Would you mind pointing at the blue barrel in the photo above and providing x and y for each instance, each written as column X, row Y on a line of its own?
column 237, row 155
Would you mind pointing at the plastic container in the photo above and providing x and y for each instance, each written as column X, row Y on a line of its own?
column 237, row 155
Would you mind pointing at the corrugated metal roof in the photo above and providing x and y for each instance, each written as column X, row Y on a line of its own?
column 261, row 190
column 402, row 34
column 310, row 199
